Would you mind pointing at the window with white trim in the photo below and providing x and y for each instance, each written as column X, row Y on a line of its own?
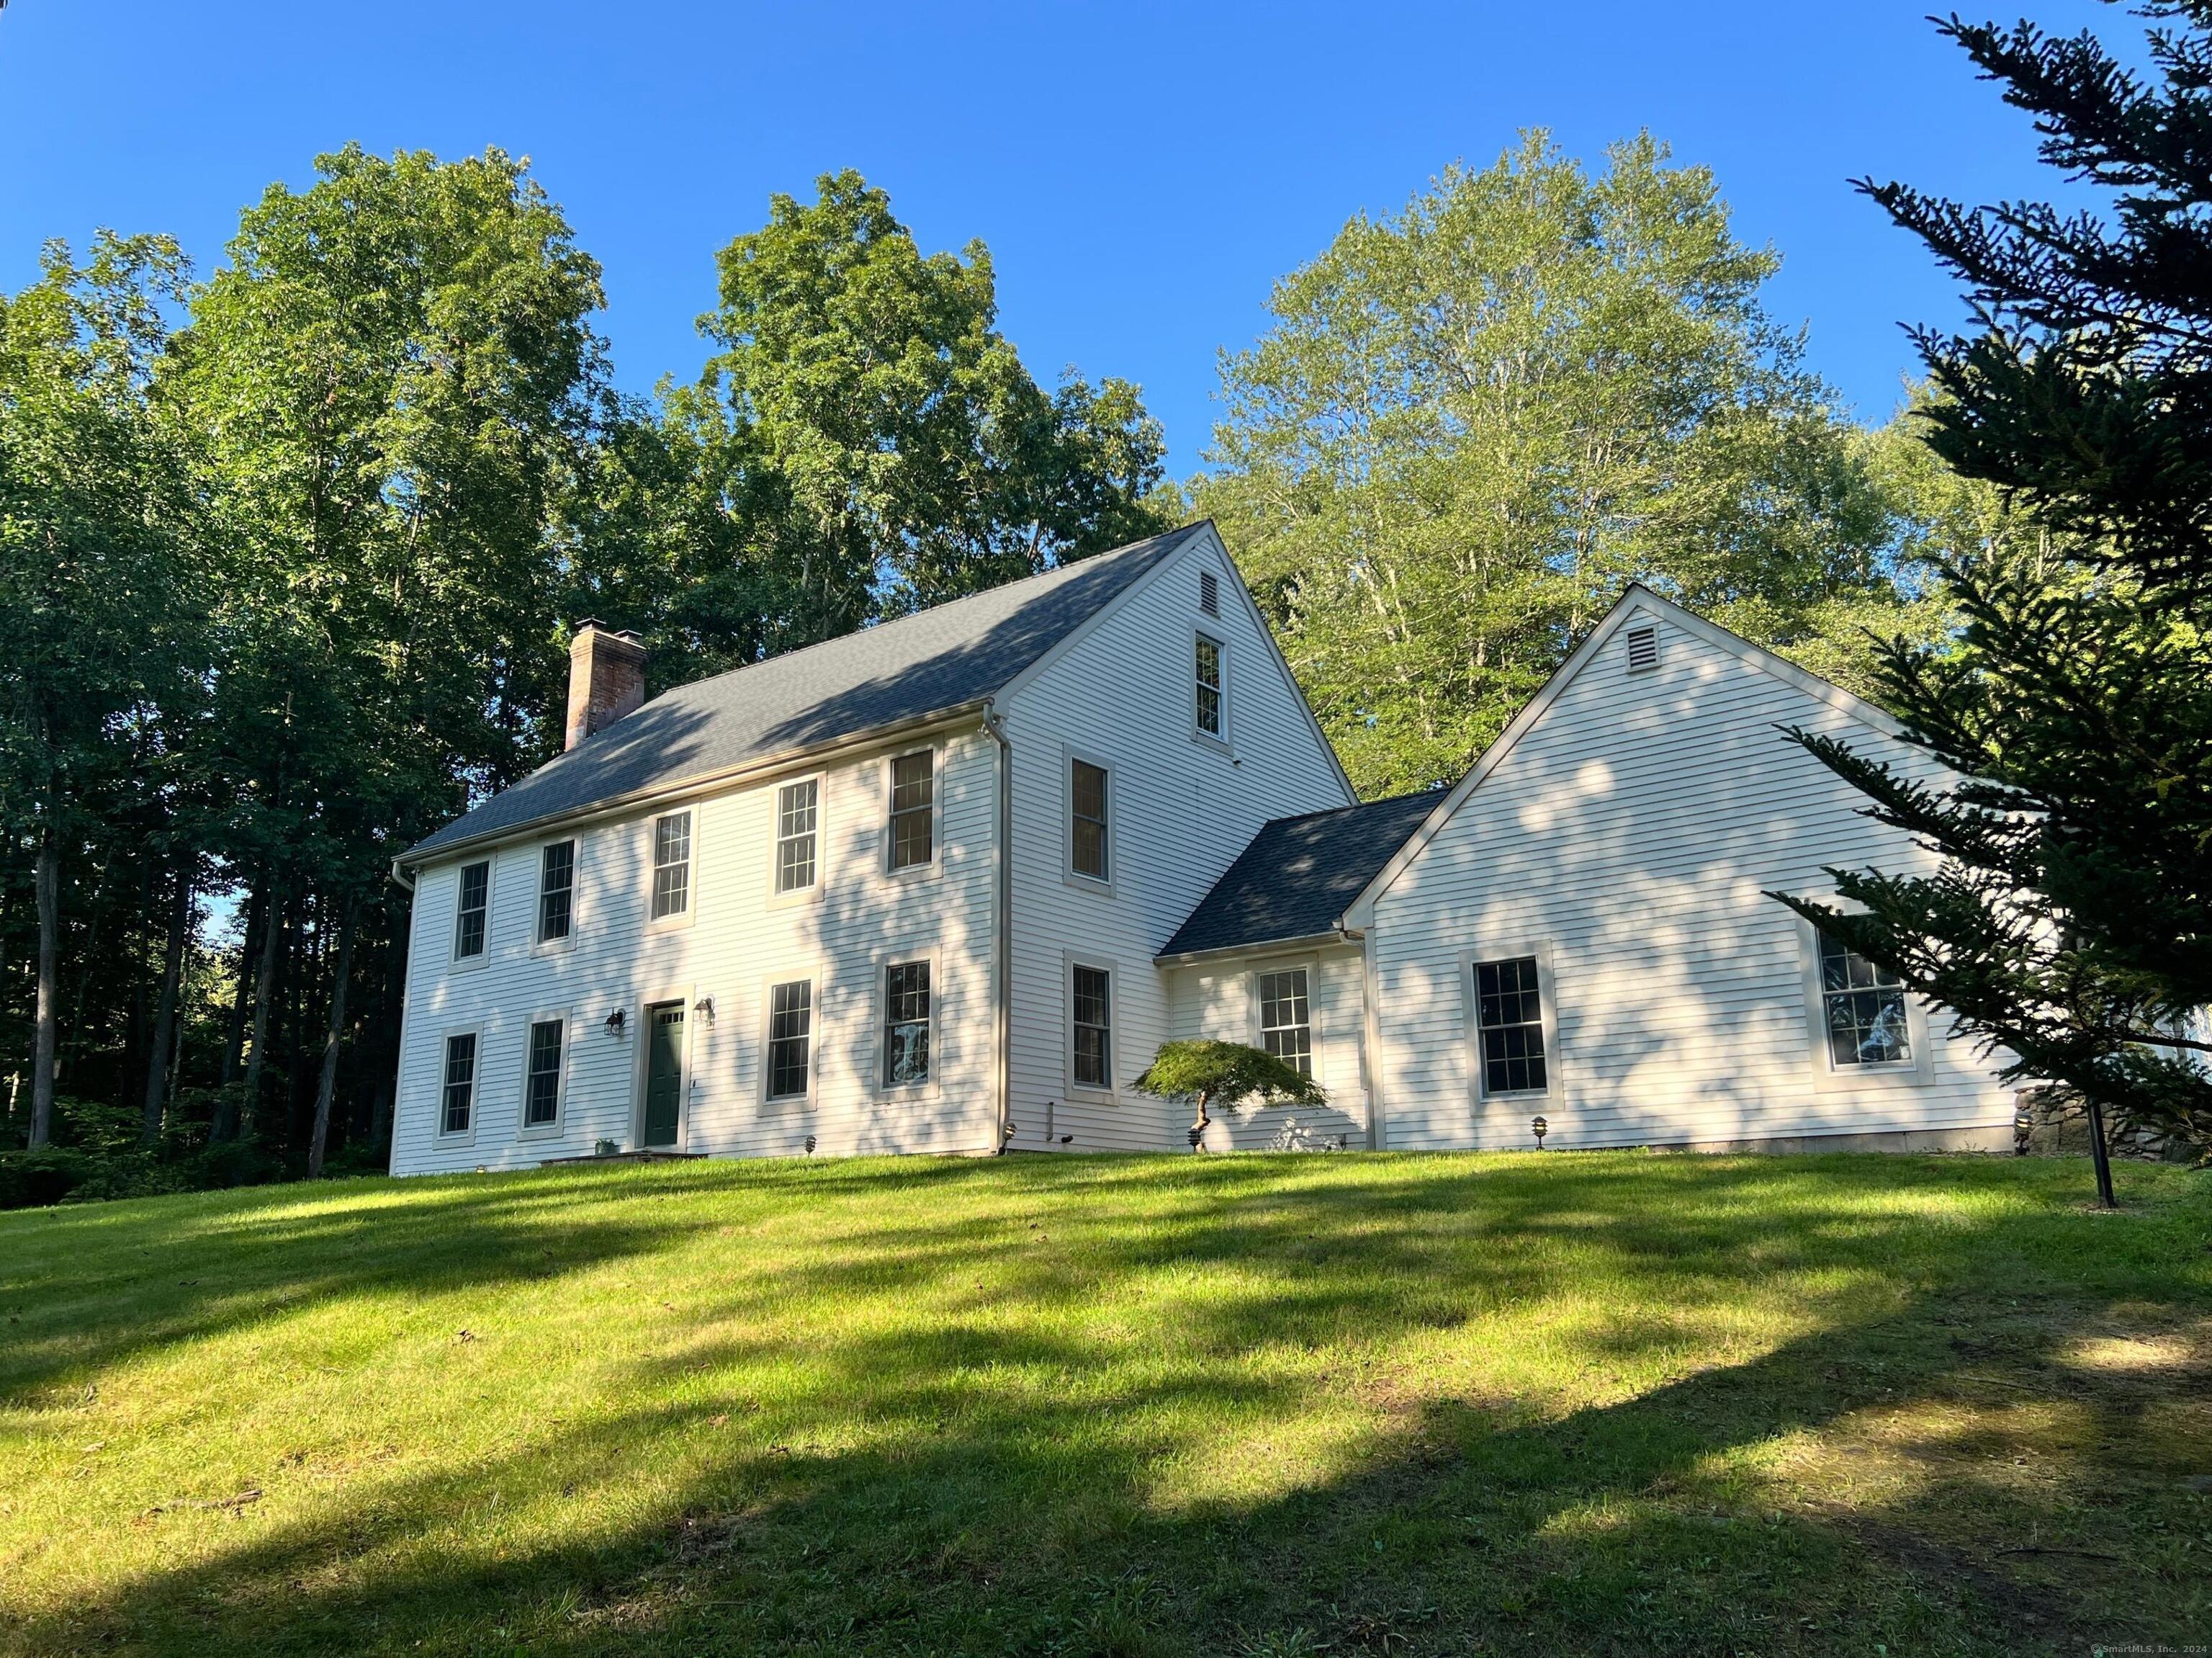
column 905, row 1024
column 457, row 1103
column 671, row 865
column 913, row 809
column 1208, row 668
column 541, row 1086
column 1092, row 1012
column 798, row 816
column 1508, row 1019
column 470, row 915
column 1087, row 786
column 1862, row 1012
column 1286, row 1018
column 556, row 890
column 790, row 1038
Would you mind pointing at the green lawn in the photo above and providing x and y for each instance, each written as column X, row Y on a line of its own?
column 1388, row 1404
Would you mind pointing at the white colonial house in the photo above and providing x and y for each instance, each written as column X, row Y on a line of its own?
column 946, row 884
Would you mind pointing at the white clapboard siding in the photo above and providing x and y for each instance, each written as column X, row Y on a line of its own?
column 1122, row 695
column 736, row 942
column 1217, row 1000
column 1629, row 834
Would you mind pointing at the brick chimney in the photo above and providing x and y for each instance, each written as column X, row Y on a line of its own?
column 606, row 678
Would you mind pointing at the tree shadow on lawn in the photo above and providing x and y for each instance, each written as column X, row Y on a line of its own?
column 1039, row 1484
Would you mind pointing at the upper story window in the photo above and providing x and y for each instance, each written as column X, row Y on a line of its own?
column 913, row 809
column 556, row 888
column 470, row 914
column 1510, row 1023
column 1086, row 793
column 1286, row 1019
column 1208, row 667
column 790, row 1038
column 456, row 1106
column 1863, row 1008
column 906, row 1023
column 798, row 816
column 671, row 865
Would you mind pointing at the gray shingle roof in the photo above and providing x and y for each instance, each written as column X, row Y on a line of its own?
column 938, row 659
column 1300, row 874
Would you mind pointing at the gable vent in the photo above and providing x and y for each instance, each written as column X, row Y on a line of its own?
column 1643, row 649
column 1209, row 593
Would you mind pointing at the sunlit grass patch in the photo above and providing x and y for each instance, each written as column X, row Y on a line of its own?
column 1567, row 1402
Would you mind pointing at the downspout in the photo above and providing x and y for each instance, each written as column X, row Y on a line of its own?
column 1002, row 978
column 1371, row 1047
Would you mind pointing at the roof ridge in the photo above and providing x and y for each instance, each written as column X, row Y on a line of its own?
column 876, row 628
column 1356, row 806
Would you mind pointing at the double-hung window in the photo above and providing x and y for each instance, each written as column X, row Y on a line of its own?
column 541, row 1086
column 1092, row 1013
column 1086, row 792
column 469, row 915
column 556, row 890
column 790, row 1038
column 1285, row 1021
column 913, row 808
column 1861, row 1009
column 1509, row 1019
column 797, row 819
column 457, row 1104
column 1207, row 668
column 671, row 865
column 905, row 1024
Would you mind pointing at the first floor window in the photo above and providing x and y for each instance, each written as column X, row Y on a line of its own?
column 556, row 886
column 1863, row 1008
column 1087, row 829
column 1509, row 1024
column 460, row 1091
column 1209, row 686
column 541, row 1091
column 1285, row 1024
column 671, row 864
column 913, row 805
column 798, row 806
column 474, row 900
column 1094, row 1027
column 790, row 1037
column 906, row 1023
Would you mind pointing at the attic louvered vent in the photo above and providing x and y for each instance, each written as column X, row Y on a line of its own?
column 1209, row 593
column 1643, row 649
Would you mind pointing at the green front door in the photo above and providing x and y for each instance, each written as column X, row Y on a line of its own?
column 663, row 1073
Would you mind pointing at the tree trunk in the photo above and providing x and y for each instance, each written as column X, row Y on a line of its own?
column 264, row 983
column 2099, row 1156
column 249, row 945
column 330, row 1082
column 1198, row 1129
column 47, row 879
column 156, row 1101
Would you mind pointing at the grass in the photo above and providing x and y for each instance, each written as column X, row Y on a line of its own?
column 1262, row 1405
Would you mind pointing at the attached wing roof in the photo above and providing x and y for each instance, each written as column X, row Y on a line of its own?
column 946, row 657
column 1298, row 875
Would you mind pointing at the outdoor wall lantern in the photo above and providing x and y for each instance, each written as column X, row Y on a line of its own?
column 1541, row 1128
column 704, row 1007
column 617, row 1021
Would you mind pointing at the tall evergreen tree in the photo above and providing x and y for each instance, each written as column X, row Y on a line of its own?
column 2070, row 923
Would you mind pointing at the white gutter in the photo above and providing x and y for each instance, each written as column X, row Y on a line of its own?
column 1262, row 947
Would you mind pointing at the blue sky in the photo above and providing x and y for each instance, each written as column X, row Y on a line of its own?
column 1140, row 172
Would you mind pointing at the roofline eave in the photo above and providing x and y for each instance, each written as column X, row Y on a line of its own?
column 614, row 805
column 1345, row 936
